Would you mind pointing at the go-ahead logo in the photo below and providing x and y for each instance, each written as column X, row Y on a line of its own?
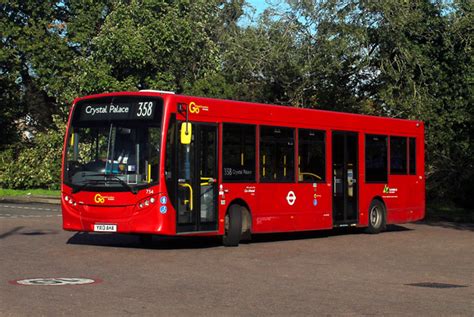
column 194, row 108
column 99, row 199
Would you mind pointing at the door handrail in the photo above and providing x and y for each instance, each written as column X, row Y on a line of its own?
column 190, row 195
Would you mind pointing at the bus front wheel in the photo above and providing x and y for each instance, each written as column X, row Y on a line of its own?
column 233, row 226
column 376, row 217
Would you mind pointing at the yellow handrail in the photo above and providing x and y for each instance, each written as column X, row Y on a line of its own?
column 206, row 181
column 311, row 174
column 148, row 177
column 190, row 195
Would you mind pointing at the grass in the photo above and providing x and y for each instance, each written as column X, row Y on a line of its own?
column 29, row 192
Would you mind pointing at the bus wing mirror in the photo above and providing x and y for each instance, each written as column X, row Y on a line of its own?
column 186, row 132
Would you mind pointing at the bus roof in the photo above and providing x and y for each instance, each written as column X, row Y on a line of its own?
column 260, row 109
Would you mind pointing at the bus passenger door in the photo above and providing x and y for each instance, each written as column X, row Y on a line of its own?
column 197, row 180
column 345, row 179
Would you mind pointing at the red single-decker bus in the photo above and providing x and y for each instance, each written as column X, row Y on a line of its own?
column 157, row 163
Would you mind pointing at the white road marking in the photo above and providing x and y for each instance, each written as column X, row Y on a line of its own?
column 55, row 281
column 30, row 208
column 28, row 216
column 10, row 215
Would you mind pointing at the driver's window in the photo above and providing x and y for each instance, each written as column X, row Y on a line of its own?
column 311, row 156
column 86, row 145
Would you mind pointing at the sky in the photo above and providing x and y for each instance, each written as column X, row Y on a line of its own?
column 260, row 6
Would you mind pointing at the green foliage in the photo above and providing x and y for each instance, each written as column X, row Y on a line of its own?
column 405, row 59
column 36, row 164
column 151, row 44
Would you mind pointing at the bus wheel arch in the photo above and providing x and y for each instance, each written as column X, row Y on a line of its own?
column 377, row 215
column 238, row 223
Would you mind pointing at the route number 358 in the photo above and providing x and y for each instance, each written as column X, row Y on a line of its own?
column 145, row 109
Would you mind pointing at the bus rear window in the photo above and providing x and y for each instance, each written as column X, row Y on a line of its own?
column 412, row 156
column 398, row 155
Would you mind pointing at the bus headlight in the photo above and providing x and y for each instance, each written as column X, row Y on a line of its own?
column 70, row 200
column 146, row 202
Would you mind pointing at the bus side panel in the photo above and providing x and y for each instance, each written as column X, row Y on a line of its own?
column 395, row 196
column 313, row 204
column 292, row 207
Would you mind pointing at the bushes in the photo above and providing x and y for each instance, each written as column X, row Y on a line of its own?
column 35, row 164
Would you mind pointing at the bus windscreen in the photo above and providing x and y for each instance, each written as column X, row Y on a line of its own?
column 114, row 144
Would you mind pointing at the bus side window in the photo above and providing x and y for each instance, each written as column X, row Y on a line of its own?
column 412, row 156
column 311, row 156
column 277, row 150
column 398, row 155
column 238, row 152
column 376, row 166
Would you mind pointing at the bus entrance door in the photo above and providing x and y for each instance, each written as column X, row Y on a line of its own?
column 344, row 163
column 197, row 181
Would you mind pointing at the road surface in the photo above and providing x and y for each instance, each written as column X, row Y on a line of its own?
column 413, row 269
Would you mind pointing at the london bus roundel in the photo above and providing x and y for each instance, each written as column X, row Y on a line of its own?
column 291, row 198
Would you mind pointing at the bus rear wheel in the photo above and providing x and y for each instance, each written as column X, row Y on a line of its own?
column 233, row 226
column 376, row 217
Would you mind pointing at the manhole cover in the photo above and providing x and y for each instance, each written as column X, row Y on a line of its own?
column 55, row 281
column 436, row 285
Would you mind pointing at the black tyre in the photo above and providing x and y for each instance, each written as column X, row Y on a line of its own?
column 376, row 217
column 233, row 226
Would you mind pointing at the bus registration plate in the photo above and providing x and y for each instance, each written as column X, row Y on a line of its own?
column 102, row 227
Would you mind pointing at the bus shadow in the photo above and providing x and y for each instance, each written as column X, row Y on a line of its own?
column 39, row 232
column 288, row 236
column 117, row 240
column 10, row 232
column 175, row 243
column 28, row 232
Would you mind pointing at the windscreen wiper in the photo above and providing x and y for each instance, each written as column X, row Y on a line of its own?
column 76, row 189
column 133, row 190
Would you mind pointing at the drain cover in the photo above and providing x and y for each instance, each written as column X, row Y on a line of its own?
column 436, row 285
column 55, row 281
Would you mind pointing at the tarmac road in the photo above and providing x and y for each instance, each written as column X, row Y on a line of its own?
column 320, row 273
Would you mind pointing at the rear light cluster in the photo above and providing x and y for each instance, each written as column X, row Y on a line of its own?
column 147, row 202
column 70, row 200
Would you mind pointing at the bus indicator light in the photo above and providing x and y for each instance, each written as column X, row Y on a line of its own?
column 163, row 210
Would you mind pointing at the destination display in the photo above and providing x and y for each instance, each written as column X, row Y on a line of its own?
column 140, row 110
